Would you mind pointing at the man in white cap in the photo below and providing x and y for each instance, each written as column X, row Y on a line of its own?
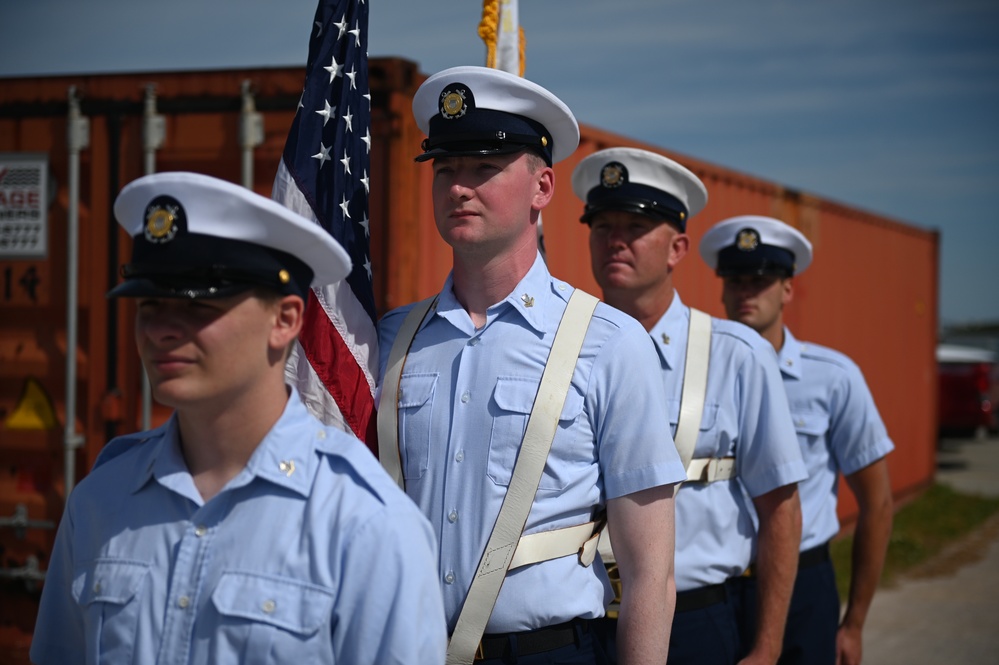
column 243, row 529
column 839, row 429
column 470, row 375
column 727, row 409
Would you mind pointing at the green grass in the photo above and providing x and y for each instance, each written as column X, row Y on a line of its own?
column 921, row 529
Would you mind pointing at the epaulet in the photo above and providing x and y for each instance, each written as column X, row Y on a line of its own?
column 825, row 354
column 122, row 444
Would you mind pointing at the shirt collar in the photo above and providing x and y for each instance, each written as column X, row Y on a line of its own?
column 670, row 332
column 528, row 298
column 790, row 355
column 286, row 455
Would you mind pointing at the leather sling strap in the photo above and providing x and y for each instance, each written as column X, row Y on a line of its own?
column 695, row 385
column 542, row 426
column 388, row 405
column 534, row 548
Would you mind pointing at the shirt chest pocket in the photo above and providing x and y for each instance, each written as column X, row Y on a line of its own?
column 711, row 438
column 510, row 407
column 108, row 592
column 278, row 619
column 416, row 402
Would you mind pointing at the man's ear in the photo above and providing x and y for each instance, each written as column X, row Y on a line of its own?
column 787, row 291
column 678, row 248
column 289, row 316
column 546, row 188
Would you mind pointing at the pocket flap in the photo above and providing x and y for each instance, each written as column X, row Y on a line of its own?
column 810, row 422
column 108, row 581
column 280, row 601
column 416, row 389
column 518, row 395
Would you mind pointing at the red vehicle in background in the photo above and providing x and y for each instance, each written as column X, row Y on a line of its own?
column 969, row 390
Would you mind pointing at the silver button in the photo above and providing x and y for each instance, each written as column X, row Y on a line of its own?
column 269, row 606
column 200, row 530
column 452, row 516
column 449, row 578
column 465, row 396
column 459, row 456
column 183, row 602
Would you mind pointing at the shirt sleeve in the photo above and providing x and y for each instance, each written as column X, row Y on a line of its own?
column 59, row 631
column 389, row 607
column 631, row 421
column 857, row 435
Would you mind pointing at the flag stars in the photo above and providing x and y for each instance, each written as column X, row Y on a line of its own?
column 367, row 266
column 323, row 155
column 352, row 74
column 342, row 26
column 357, row 34
column 349, row 118
column 327, row 112
column 367, row 96
column 365, row 224
column 345, row 206
column 319, row 29
column 364, row 181
column 333, row 69
column 367, row 139
column 346, row 162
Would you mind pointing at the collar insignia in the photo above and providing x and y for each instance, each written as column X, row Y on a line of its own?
column 528, row 300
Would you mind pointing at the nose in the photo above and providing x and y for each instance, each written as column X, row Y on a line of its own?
column 157, row 323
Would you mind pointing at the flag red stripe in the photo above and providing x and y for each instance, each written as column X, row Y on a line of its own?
column 339, row 371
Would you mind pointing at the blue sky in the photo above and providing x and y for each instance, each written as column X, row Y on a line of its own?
column 885, row 105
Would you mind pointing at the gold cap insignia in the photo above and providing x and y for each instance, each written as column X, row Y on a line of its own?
column 284, row 277
column 747, row 240
column 453, row 103
column 613, row 175
column 161, row 222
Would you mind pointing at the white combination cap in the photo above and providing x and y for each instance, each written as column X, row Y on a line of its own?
column 479, row 110
column 195, row 236
column 755, row 245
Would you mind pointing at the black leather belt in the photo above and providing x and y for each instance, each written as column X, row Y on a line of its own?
column 531, row 641
column 814, row 556
column 700, row 598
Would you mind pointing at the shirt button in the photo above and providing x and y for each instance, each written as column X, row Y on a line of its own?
column 183, row 602
column 465, row 396
column 200, row 530
column 449, row 578
column 473, row 342
column 459, row 456
column 452, row 516
column 269, row 606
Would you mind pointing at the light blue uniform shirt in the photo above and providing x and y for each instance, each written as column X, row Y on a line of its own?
column 465, row 398
column 309, row 555
column 745, row 415
column 838, row 427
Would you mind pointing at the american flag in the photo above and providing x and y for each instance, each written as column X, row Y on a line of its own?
column 323, row 175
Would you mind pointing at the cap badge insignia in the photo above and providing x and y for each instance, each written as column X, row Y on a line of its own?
column 613, row 175
column 162, row 221
column 453, row 103
column 747, row 240
column 528, row 300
